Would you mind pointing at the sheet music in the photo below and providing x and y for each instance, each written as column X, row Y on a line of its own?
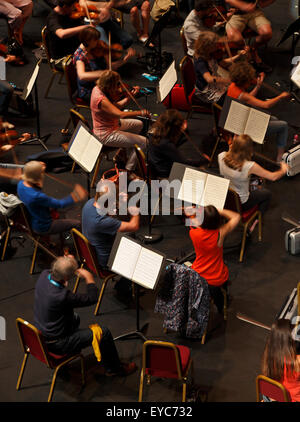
column 147, row 268
column 126, row 258
column 257, row 125
column 215, row 191
column 85, row 149
column 28, row 88
column 296, row 75
column 192, row 186
column 237, row 118
column 167, row 82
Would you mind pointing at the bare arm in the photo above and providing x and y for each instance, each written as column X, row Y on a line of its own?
column 83, row 75
column 69, row 32
column 114, row 111
column 269, row 175
column 251, row 100
column 241, row 5
column 217, row 79
column 233, row 219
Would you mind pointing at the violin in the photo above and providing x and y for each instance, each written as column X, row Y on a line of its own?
column 214, row 16
column 81, row 12
column 102, row 49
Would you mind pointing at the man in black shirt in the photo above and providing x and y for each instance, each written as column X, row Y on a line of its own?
column 54, row 315
column 248, row 13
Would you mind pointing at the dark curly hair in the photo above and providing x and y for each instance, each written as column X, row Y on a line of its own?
column 168, row 125
column 242, row 73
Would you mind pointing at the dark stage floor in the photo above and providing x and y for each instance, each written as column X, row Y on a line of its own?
column 227, row 364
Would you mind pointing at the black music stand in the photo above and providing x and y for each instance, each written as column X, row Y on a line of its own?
column 137, row 333
column 32, row 83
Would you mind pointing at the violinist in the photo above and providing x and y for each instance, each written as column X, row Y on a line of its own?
column 210, row 87
column 114, row 127
column 91, row 57
column 248, row 13
column 243, row 76
column 106, row 24
column 63, row 31
column 197, row 21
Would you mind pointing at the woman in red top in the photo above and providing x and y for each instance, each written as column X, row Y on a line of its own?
column 208, row 237
column 280, row 360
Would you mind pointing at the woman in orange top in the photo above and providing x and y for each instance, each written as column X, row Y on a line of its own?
column 208, row 237
column 280, row 360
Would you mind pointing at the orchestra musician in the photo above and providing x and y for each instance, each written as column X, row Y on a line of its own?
column 210, row 87
column 248, row 13
column 39, row 205
column 164, row 138
column 113, row 126
column 243, row 76
column 91, row 57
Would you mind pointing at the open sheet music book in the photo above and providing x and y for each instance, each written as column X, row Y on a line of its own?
column 84, row 147
column 203, row 189
column 138, row 263
column 239, row 119
column 296, row 75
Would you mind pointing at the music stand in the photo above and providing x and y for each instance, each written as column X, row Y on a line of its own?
column 126, row 250
column 84, row 148
column 32, row 83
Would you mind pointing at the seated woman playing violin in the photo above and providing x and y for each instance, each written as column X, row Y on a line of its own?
column 243, row 76
column 114, row 127
column 210, row 87
column 92, row 56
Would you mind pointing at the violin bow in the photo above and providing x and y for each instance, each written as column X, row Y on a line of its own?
column 195, row 146
column 109, row 50
column 131, row 96
column 87, row 12
column 252, row 321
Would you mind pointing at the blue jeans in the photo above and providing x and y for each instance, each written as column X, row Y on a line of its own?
column 6, row 92
column 280, row 128
column 118, row 35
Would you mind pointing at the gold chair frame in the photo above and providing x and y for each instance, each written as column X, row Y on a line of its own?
column 181, row 376
column 106, row 278
column 273, row 382
column 56, row 368
column 55, row 71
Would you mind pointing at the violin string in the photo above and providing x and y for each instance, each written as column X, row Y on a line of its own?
column 131, row 96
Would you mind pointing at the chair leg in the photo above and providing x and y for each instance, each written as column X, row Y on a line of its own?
column 82, row 370
column 96, row 171
column 243, row 244
column 50, row 85
column 77, row 280
column 5, row 242
column 259, row 227
column 141, row 386
column 53, row 384
column 22, row 371
column 102, row 293
column 34, row 256
column 73, row 167
column 214, row 151
column 184, row 390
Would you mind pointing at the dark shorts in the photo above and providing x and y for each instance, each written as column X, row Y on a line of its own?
column 128, row 6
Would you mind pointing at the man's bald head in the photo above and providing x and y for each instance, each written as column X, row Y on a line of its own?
column 63, row 268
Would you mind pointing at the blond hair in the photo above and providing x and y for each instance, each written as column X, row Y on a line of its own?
column 241, row 150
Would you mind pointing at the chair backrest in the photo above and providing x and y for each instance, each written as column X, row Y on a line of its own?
column 71, row 76
column 78, row 117
column 85, row 252
column 188, row 76
column 183, row 40
column 161, row 358
column 272, row 389
column 21, row 219
column 141, row 161
column 45, row 41
column 233, row 201
column 31, row 340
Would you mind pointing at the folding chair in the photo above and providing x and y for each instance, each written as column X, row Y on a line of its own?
column 70, row 73
column 165, row 360
column 188, row 78
column 233, row 203
column 54, row 70
column 33, row 344
column 274, row 390
column 20, row 222
column 183, row 41
column 86, row 255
